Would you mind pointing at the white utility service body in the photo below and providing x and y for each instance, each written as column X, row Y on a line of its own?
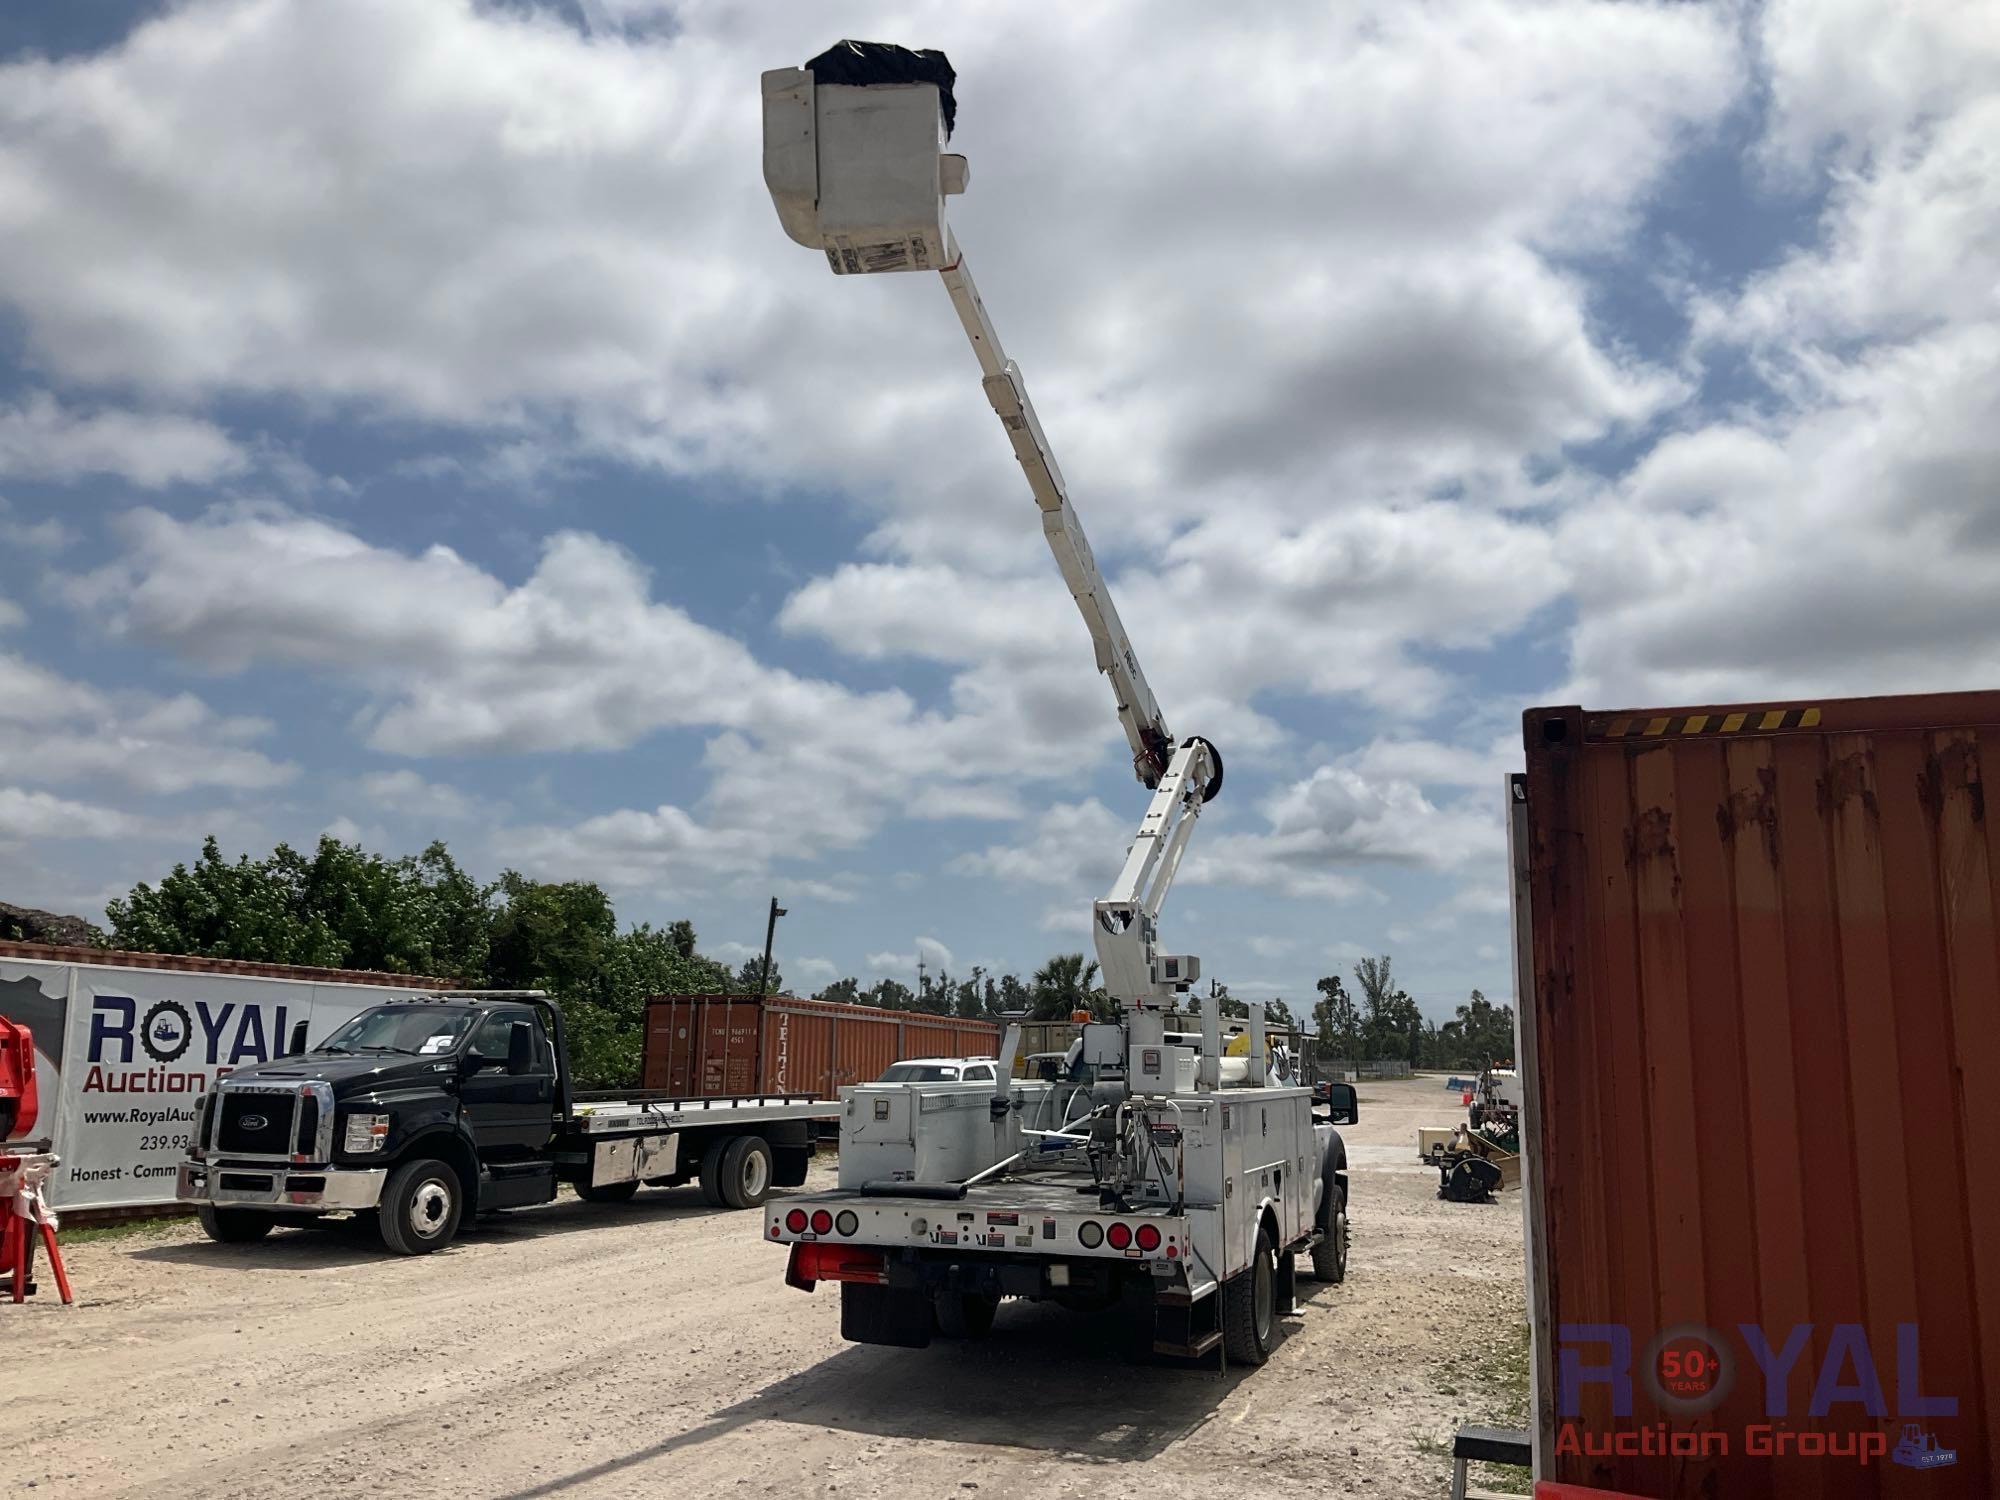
column 1172, row 1171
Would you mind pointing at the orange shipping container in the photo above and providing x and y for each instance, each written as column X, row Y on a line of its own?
column 1759, row 958
column 702, row 1046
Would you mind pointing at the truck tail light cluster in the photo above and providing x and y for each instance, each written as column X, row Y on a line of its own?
column 1090, row 1234
column 798, row 1221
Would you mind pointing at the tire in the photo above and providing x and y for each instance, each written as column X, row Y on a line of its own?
column 606, row 1192
column 234, row 1226
column 421, row 1207
column 965, row 1315
column 746, row 1171
column 1250, row 1305
column 1330, row 1254
column 711, row 1172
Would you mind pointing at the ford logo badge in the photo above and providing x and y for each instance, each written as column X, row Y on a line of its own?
column 254, row 1122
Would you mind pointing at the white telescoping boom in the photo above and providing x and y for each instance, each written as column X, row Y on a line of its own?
column 855, row 161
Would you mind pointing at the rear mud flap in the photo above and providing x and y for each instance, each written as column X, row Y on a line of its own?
column 897, row 1316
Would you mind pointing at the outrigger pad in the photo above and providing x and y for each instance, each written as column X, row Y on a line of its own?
column 863, row 63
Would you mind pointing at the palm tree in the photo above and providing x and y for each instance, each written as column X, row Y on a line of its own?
column 1068, row 983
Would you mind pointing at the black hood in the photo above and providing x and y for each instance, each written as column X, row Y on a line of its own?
column 352, row 1073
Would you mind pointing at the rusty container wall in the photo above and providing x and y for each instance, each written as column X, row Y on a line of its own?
column 702, row 1046
column 948, row 1036
column 1765, row 1002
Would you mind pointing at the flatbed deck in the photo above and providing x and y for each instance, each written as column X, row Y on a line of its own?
column 626, row 1116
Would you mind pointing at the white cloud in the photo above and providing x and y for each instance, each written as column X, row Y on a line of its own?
column 40, row 815
column 406, row 792
column 616, row 281
column 811, row 971
column 934, row 955
column 454, row 660
column 41, row 439
column 56, row 730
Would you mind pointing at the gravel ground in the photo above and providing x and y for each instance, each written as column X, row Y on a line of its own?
column 592, row 1351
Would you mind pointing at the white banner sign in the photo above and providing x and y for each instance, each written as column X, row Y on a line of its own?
column 138, row 1048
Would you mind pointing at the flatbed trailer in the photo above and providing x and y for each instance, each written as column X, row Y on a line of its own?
column 424, row 1112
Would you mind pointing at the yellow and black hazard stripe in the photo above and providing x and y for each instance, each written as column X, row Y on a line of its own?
column 1735, row 721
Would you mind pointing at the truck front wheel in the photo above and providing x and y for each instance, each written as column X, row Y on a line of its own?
column 421, row 1207
column 233, row 1226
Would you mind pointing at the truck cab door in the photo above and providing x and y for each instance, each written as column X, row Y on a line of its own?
column 509, row 1113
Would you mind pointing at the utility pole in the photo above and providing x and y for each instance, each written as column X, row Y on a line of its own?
column 923, row 988
column 770, row 931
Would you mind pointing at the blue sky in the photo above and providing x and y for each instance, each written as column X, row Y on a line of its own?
column 414, row 424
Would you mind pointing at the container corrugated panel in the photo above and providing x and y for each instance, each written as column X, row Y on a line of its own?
column 1764, row 952
column 708, row 1045
column 948, row 1036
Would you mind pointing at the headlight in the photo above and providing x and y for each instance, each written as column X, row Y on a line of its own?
column 366, row 1133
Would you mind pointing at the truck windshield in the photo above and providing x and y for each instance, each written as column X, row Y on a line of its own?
column 400, row 1029
column 919, row 1073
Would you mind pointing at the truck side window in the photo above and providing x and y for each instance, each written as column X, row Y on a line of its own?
column 490, row 1040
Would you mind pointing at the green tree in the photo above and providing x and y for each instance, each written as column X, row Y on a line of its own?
column 337, row 908
column 1065, row 984
column 1481, row 1034
column 605, row 1014
column 750, row 978
column 1012, row 997
column 890, row 995
column 846, row 991
column 1336, row 1019
column 1391, row 1024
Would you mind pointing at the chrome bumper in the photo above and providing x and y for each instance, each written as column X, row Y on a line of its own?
column 280, row 1187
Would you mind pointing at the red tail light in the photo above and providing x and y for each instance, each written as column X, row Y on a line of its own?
column 1119, row 1236
column 796, row 1221
column 1149, row 1237
column 822, row 1222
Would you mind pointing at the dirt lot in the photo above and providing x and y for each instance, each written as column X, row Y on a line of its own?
column 588, row 1351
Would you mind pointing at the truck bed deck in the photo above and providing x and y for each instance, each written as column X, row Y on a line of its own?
column 626, row 1114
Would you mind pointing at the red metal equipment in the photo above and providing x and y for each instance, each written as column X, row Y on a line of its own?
column 24, row 1212
column 18, row 1105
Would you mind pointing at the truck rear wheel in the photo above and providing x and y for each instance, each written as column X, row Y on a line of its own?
column 421, row 1207
column 711, row 1172
column 233, row 1226
column 746, row 1171
column 1250, row 1305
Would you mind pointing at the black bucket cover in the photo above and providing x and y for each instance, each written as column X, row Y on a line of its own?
column 863, row 63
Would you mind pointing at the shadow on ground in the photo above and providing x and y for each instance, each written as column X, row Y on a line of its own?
column 1083, row 1386
column 341, row 1241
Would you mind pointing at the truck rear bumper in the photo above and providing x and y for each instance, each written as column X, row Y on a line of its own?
column 280, row 1187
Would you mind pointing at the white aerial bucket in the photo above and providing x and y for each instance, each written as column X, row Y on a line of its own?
column 854, row 156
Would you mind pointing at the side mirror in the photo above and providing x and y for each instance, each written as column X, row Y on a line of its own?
column 520, row 1049
column 297, row 1046
column 1342, row 1103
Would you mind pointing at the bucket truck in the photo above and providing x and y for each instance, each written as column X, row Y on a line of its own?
column 1164, row 1174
